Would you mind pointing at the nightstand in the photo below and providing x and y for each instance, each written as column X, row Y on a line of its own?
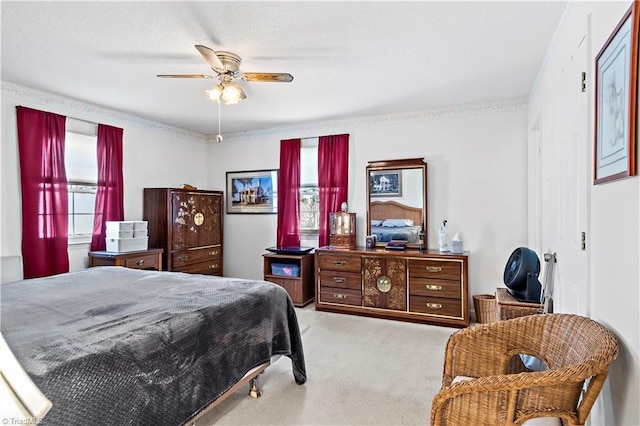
column 508, row 307
column 143, row 259
column 294, row 273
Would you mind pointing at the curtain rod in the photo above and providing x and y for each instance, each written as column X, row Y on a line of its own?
column 84, row 121
column 73, row 118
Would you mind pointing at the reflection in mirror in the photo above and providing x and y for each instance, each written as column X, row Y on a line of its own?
column 396, row 200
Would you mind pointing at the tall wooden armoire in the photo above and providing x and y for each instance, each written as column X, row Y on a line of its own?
column 187, row 224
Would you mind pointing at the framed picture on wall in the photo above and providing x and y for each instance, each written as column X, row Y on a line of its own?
column 616, row 87
column 387, row 183
column 253, row 192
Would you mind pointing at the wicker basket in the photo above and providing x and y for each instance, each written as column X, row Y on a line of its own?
column 485, row 306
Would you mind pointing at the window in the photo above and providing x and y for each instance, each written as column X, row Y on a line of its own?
column 82, row 202
column 82, row 175
column 309, row 209
column 309, row 193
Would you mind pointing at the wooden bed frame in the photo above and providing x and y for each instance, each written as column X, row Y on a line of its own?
column 251, row 377
column 381, row 210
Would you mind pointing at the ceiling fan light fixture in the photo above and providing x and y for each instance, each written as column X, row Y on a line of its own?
column 215, row 93
column 232, row 93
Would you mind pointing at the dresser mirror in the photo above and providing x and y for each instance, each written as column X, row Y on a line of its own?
column 397, row 201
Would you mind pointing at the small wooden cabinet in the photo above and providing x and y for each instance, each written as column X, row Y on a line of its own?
column 144, row 259
column 187, row 224
column 508, row 307
column 418, row 286
column 342, row 230
column 300, row 284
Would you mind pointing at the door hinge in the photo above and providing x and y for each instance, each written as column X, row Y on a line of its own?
column 584, row 82
column 583, row 241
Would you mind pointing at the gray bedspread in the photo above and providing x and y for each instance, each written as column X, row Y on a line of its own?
column 385, row 234
column 115, row 346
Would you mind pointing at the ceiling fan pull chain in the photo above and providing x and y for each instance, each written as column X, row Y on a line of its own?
column 219, row 136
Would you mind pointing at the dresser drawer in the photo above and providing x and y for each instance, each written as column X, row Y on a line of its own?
column 436, row 306
column 212, row 267
column 340, row 279
column 188, row 257
column 438, row 269
column 144, row 261
column 341, row 296
column 435, row 288
column 337, row 262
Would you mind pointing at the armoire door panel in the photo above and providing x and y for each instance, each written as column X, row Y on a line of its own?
column 185, row 209
column 211, row 209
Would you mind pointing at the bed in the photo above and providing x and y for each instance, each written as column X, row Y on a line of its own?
column 112, row 345
column 391, row 220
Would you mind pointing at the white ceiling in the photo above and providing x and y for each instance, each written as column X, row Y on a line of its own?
column 348, row 59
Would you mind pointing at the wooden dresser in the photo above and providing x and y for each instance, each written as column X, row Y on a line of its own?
column 417, row 286
column 187, row 224
column 144, row 259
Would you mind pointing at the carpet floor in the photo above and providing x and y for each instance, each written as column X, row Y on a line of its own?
column 360, row 371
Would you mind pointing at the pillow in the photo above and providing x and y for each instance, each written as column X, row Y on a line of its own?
column 376, row 222
column 396, row 223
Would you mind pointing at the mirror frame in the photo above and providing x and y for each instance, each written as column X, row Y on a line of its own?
column 401, row 164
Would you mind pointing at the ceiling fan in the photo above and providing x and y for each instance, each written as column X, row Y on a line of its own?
column 226, row 65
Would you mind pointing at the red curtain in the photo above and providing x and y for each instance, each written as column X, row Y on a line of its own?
column 110, row 193
column 45, row 207
column 288, row 233
column 333, row 179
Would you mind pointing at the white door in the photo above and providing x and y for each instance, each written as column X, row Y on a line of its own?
column 571, row 286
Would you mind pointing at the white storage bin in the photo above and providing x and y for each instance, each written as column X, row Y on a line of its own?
column 115, row 226
column 121, row 234
column 139, row 225
column 123, row 245
column 137, row 233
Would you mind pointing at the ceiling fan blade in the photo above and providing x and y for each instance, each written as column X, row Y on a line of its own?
column 268, row 76
column 211, row 57
column 184, row 76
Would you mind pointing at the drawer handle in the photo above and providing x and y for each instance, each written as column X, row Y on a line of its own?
column 434, row 268
column 140, row 262
column 434, row 287
column 339, row 279
column 213, row 253
column 182, row 258
column 214, row 266
column 339, row 296
column 434, row 305
column 339, row 262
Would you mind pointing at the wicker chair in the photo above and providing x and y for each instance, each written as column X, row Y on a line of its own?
column 497, row 389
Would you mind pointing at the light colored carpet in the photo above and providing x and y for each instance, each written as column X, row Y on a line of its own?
column 360, row 371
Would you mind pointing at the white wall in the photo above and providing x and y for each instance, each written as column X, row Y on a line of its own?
column 477, row 180
column 153, row 155
column 613, row 210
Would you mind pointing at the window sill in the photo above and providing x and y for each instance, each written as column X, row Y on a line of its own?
column 75, row 241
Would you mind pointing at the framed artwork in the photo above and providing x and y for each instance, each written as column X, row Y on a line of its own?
column 253, row 192
column 616, row 101
column 386, row 183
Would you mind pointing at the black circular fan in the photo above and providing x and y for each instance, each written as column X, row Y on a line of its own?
column 521, row 262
